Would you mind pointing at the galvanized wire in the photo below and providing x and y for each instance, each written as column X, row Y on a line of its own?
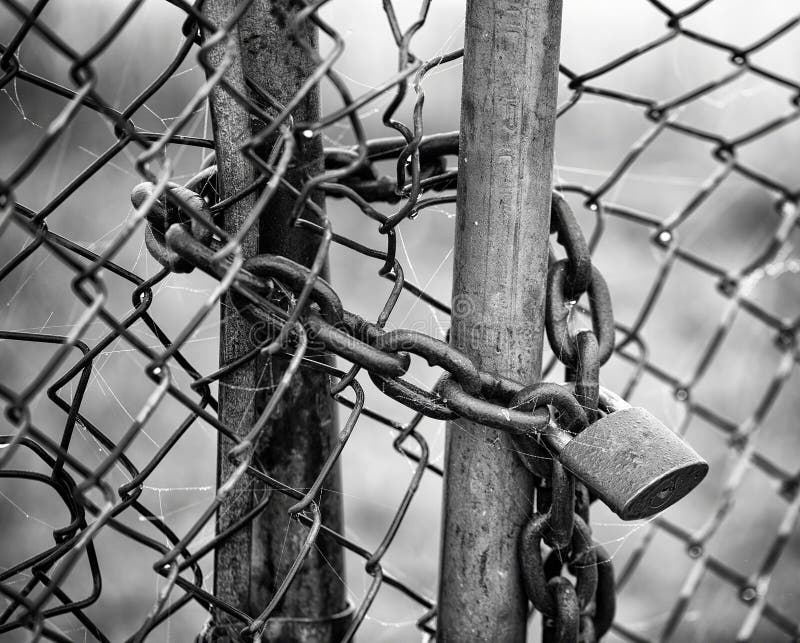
column 38, row 589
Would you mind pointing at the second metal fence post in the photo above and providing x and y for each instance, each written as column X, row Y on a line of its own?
column 301, row 432
column 502, row 229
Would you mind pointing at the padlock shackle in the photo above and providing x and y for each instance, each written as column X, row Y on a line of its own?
column 608, row 401
column 611, row 402
column 556, row 437
column 572, row 418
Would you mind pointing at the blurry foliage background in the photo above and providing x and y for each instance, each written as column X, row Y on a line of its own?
column 729, row 229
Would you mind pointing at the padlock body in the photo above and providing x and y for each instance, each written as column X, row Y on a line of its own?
column 634, row 463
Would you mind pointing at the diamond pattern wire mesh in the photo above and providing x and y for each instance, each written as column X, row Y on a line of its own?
column 693, row 220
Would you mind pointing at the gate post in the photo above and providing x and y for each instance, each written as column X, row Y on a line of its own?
column 508, row 110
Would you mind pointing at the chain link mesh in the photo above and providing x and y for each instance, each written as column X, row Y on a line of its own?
column 675, row 146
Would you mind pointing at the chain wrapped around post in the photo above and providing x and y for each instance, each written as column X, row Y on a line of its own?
column 542, row 419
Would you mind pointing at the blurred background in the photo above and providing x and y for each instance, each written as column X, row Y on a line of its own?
column 717, row 390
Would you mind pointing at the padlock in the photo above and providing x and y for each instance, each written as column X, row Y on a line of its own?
column 632, row 462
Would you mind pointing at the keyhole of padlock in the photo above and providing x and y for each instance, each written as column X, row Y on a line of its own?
column 661, row 497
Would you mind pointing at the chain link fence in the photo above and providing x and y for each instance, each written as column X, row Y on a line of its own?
column 675, row 148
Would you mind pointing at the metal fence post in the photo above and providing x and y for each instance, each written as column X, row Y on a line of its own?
column 299, row 436
column 502, row 229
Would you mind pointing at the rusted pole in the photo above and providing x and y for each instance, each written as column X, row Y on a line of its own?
column 299, row 436
column 502, row 228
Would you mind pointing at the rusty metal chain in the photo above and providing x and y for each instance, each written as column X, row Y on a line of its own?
column 331, row 328
column 571, row 612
